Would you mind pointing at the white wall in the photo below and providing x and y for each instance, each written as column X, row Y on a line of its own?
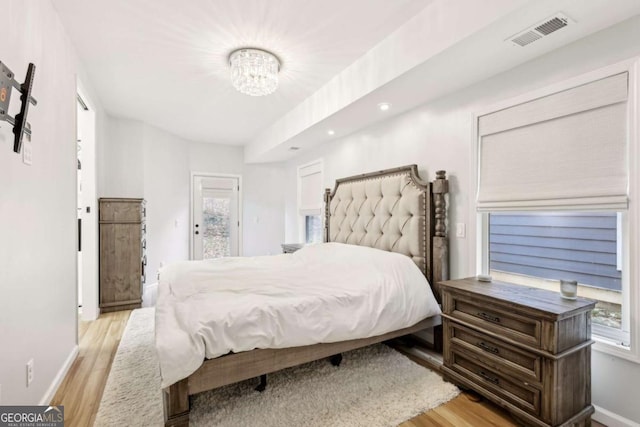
column 263, row 209
column 166, row 190
column 38, row 208
column 140, row 160
column 438, row 136
column 122, row 159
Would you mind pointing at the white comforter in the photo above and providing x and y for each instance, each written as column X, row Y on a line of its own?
column 322, row 293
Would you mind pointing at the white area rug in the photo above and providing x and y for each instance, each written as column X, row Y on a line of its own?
column 374, row 386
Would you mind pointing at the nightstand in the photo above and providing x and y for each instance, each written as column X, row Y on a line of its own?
column 289, row 248
column 526, row 349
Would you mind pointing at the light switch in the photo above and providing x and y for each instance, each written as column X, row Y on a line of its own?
column 461, row 230
column 27, row 151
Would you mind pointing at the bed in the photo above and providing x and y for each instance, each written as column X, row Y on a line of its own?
column 264, row 314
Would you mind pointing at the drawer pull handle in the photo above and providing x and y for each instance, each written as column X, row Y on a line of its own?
column 488, row 377
column 486, row 347
column 488, row 317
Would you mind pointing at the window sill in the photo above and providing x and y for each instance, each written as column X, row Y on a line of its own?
column 607, row 346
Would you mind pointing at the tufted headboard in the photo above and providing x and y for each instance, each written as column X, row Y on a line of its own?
column 392, row 210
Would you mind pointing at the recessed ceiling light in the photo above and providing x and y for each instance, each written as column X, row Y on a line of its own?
column 331, row 132
column 384, row 106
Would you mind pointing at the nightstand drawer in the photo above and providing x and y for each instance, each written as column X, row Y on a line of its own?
column 493, row 318
column 516, row 392
column 501, row 356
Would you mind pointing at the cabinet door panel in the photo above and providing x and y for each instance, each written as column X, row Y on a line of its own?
column 120, row 264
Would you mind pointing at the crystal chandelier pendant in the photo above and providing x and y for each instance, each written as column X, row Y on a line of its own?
column 254, row 72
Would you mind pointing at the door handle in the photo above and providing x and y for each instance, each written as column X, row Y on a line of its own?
column 486, row 347
column 489, row 378
column 488, row 317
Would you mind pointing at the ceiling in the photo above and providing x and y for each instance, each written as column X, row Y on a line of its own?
column 166, row 62
column 168, row 66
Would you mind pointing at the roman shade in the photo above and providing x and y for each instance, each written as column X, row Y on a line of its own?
column 567, row 150
column 310, row 188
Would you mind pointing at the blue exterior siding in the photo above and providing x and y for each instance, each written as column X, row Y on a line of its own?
column 576, row 246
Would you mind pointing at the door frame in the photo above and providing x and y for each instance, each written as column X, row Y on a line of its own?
column 90, row 253
column 240, row 203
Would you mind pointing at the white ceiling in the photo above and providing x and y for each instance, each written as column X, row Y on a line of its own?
column 165, row 63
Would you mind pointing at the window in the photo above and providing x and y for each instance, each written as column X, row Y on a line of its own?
column 555, row 173
column 313, row 228
column 310, row 197
column 539, row 249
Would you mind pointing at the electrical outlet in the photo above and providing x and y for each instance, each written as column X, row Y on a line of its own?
column 461, row 230
column 29, row 372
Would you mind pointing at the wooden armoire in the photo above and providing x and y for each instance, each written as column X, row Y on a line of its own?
column 122, row 253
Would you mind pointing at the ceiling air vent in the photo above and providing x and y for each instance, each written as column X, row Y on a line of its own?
column 540, row 30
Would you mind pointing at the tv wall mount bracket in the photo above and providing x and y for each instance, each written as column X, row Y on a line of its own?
column 19, row 122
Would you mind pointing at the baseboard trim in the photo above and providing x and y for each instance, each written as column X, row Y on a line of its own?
column 53, row 388
column 611, row 419
column 90, row 315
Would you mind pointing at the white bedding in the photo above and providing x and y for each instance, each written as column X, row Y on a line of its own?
column 322, row 293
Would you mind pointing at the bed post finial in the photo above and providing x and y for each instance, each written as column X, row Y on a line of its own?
column 327, row 201
column 440, row 188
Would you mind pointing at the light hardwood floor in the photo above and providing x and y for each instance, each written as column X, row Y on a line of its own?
column 81, row 390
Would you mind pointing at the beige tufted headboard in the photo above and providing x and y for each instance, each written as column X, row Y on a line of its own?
column 392, row 210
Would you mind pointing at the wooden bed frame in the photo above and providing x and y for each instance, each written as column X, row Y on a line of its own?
column 235, row 367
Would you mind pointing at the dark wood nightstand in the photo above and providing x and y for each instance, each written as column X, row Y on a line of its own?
column 526, row 349
column 289, row 248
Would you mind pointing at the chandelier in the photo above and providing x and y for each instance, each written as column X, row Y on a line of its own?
column 254, row 72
